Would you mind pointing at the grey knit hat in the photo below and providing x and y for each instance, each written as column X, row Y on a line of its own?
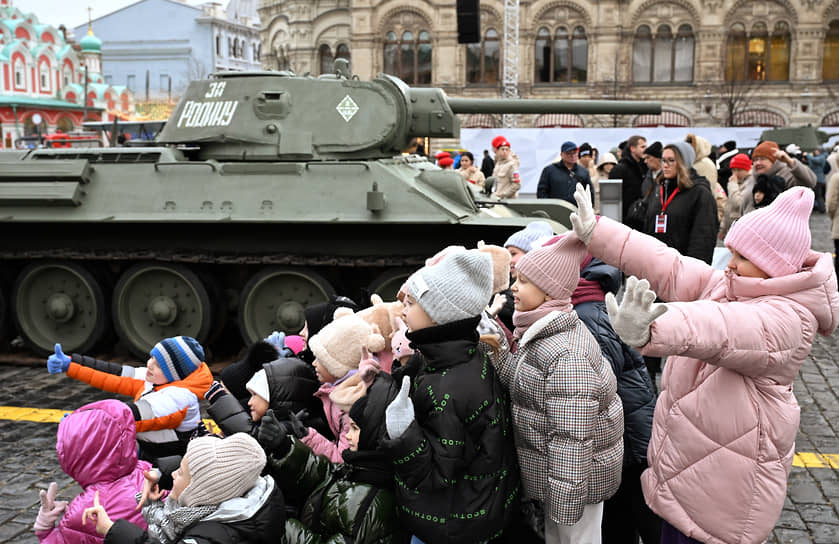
column 458, row 287
column 524, row 238
column 686, row 151
column 221, row 469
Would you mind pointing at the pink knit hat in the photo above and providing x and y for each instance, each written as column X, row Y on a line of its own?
column 776, row 238
column 555, row 267
column 399, row 344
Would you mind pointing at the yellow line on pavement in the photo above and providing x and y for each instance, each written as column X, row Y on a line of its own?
column 47, row 415
column 816, row 460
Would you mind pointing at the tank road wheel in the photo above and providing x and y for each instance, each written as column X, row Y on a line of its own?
column 59, row 302
column 274, row 299
column 387, row 284
column 153, row 301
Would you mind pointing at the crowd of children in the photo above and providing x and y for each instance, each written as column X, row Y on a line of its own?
column 430, row 420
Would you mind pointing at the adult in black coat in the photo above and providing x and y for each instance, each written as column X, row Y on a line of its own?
column 625, row 515
column 685, row 198
column 559, row 179
column 631, row 169
column 727, row 152
column 487, row 164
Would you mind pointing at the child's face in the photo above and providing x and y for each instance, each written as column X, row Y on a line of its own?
column 180, row 479
column 744, row 267
column 323, row 375
column 154, row 374
column 258, row 407
column 758, row 197
column 353, row 434
column 414, row 316
column 515, row 254
column 526, row 296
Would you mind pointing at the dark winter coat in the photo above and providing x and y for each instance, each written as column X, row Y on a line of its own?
column 456, row 474
column 632, row 173
column 557, row 181
column 261, row 527
column 692, row 223
column 292, row 384
column 236, row 375
column 635, row 388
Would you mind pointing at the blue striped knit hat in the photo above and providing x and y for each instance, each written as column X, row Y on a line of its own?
column 178, row 356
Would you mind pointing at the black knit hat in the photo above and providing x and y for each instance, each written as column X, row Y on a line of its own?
column 585, row 149
column 368, row 412
column 730, row 145
column 320, row 315
column 236, row 375
column 653, row 150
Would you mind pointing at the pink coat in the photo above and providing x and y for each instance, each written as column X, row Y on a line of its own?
column 726, row 420
column 97, row 447
column 339, row 424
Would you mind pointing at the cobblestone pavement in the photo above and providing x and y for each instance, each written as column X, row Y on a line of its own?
column 810, row 515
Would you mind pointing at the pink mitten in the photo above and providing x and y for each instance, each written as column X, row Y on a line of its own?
column 51, row 510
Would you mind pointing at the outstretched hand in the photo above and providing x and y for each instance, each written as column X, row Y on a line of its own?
column 583, row 219
column 151, row 491
column 400, row 413
column 98, row 514
column 51, row 510
column 58, row 362
column 636, row 313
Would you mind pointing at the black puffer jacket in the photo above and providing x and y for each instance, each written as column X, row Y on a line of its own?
column 456, row 473
column 236, row 375
column 261, row 527
column 634, row 385
column 292, row 384
column 632, row 173
column 349, row 502
column 692, row 223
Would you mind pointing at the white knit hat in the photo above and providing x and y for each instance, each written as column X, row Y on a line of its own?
column 524, row 238
column 458, row 287
column 258, row 385
column 338, row 345
column 221, row 468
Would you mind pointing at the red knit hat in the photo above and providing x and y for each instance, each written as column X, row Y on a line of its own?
column 776, row 238
column 498, row 141
column 741, row 161
column 765, row 149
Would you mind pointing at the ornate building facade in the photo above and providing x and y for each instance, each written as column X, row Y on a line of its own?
column 709, row 62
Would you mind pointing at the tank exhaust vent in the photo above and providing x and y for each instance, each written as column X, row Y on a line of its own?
column 128, row 157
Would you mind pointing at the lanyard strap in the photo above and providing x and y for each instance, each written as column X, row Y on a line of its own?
column 663, row 203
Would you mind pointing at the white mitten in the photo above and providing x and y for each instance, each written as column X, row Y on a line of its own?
column 400, row 413
column 583, row 219
column 51, row 510
column 636, row 313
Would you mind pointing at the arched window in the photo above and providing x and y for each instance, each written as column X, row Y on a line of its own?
column 343, row 52
column 67, row 74
column 758, row 55
column 563, row 59
column 65, row 125
column 663, row 57
column 779, row 52
column 483, row 59
column 20, row 74
column 325, row 59
column 830, row 61
column 44, row 75
column 408, row 56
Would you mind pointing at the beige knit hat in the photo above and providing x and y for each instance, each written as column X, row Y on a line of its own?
column 221, row 469
column 338, row 345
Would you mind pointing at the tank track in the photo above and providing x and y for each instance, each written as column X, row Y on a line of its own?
column 197, row 258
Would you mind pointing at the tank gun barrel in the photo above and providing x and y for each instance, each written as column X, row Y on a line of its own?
column 530, row 105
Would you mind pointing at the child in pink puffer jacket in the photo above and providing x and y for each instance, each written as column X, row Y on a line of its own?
column 97, row 447
column 726, row 420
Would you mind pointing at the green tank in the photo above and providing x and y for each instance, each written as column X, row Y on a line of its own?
column 807, row 137
column 265, row 192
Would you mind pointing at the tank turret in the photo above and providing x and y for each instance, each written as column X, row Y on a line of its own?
column 271, row 116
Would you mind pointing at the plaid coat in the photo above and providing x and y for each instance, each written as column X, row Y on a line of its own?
column 567, row 416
